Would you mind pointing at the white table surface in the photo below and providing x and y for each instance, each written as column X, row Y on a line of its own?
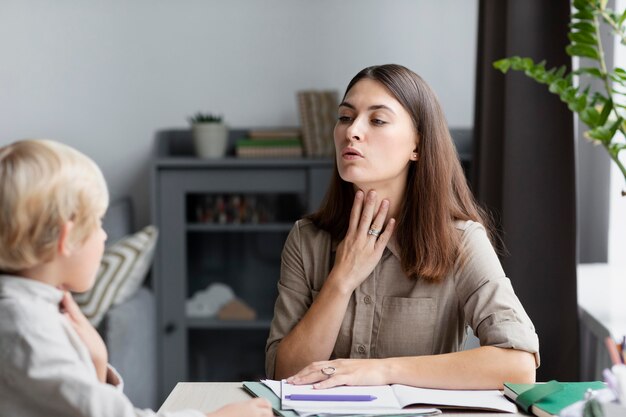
column 209, row 396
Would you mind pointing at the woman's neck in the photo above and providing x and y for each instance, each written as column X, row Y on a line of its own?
column 392, row 192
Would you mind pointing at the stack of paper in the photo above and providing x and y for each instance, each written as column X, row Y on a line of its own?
column 384, row 399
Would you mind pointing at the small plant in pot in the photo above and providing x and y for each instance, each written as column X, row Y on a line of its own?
column 210, row 135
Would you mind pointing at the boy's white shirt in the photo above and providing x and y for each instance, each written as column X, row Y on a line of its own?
column 45, row 368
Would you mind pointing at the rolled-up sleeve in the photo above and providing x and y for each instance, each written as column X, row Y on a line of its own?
column 486, row 295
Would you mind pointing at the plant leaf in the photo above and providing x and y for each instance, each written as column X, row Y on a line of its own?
column 615, row 126
column 581, row 5
column 620, row 73
column 583, row 15
column 600, row 133
column 621, row 19
column 594, row 72
column 606, row 110
column 590, row 117
column 558, row 86
column 583, row 26
column 617, row 79
column 568, row 95
column 583, row 37
column 577, row 49
column 502, row 65
column 579, row 103
column 560, row 71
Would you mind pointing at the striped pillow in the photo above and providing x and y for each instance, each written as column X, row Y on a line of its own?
column 122, row 270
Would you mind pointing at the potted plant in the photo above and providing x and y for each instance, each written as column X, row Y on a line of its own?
column 604, row 112
column 210, row 135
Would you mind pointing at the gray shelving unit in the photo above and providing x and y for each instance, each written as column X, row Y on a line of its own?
column 192, row 254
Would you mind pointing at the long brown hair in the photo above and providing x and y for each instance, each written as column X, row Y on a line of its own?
column 437, row 193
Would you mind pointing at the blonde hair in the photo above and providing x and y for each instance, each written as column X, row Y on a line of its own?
column 43, row 185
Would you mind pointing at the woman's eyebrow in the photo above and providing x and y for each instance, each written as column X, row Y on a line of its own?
column 374, row 107
column 381, row 106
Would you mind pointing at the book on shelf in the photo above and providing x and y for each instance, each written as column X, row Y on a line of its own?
column 269, row 148
column 548, row 399
column 318, row 114
column 393, row 399
column 274, row 133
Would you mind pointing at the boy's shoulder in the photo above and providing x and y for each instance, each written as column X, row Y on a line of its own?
column 23, row 310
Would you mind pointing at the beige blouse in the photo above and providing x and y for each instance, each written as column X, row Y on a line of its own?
column 391, row 315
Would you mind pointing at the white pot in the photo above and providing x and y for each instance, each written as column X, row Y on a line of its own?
column 210, row 139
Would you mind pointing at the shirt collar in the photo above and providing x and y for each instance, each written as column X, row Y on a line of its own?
column 12, row 286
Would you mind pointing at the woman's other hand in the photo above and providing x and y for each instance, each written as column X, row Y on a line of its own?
column 361, row 249
column 258, row 407
column 327, row 374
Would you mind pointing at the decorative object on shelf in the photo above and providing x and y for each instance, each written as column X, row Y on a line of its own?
column 318, row 114
column 280, row 148
column 245, row 208
column 281, row 133
column 218, row 300
column 122, row 270
column 236, row 310
column 210, row 135
column 604, row 112
column 278, row 143
column 208, row 302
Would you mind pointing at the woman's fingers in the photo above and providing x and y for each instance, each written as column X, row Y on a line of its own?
column 376, row 226
column 312, row 373
column 386, row 235
column 334, row 381
column 355, row 213
column 363, row 220
column 367, row 213
column 327, row 374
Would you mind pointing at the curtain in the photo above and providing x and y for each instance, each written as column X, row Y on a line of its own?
column 524, row 171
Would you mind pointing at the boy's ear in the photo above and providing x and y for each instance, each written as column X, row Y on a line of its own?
column 64, row 247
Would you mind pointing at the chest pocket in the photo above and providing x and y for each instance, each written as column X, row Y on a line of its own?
column 406, row 328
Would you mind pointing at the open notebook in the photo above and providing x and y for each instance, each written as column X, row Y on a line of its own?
column 390, row 399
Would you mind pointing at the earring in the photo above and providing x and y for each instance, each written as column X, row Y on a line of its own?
column 415, row 156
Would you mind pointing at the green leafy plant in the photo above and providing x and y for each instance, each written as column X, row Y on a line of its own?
column 200, row 117
column 604, row 112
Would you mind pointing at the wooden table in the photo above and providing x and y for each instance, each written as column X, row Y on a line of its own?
column 209, row 396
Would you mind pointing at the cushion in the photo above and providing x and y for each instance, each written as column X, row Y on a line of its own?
column 122, row 270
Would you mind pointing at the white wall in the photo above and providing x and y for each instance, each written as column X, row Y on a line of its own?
column 104, row 76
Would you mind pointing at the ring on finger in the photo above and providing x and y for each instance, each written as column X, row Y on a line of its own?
column 374, row 232
column 328, row 371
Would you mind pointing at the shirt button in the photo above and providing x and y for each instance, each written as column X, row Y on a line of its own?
column 367, row 299
column 361, row 349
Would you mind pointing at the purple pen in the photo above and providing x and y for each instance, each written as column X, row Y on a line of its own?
column 329, row 397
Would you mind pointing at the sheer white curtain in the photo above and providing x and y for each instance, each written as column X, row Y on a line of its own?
column 617, row 210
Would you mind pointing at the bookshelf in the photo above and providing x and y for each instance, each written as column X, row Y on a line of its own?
column 198, row 246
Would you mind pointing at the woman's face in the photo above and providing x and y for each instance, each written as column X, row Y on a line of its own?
column 374, row 138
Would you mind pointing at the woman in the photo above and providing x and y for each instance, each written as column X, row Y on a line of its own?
column 396, row 263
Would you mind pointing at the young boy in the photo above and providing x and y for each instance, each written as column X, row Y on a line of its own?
column 52, row 361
